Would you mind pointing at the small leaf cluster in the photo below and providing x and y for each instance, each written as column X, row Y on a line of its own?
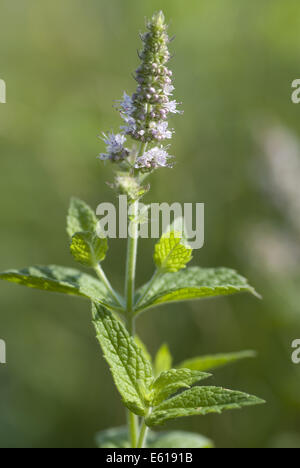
column 172, row 280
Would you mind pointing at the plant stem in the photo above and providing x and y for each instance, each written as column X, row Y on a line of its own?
column 129, row 294
column 133, row 428
column 143, row 435
column 132, row 247
column 102, row 276
column 131, row 267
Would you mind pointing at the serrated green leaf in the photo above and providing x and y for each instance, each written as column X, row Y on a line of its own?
column 171, row 253
column 163, row 360
column 178, row 439
column 80, row 218
column 131, row 371
column 58, row 279
column 169, row 382
column 200, row 401
column 204, row 363
column 191, row 284
column 118, row 437
column 88, row 249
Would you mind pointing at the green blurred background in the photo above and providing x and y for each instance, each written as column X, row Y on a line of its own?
column 237, row 151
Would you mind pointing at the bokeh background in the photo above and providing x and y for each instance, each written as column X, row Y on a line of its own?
column 237, row 149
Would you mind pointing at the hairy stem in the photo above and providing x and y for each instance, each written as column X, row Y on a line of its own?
column 129, row 294
column 131, row 266
column 143, row 435
column 132, row 247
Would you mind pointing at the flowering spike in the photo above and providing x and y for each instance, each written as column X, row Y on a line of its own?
column 146, row 112
column 150, row 103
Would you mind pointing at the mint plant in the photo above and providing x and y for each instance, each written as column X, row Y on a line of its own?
column 154, row 391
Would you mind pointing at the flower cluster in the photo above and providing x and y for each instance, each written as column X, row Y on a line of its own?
column 145, row 113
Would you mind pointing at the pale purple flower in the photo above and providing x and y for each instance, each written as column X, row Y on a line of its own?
column 114, row 142
column 114, row 147
column 131, row 125
column 160, row 131
column 168, row 89
column 126, row 109
column 171, row 106
column 126, row 105
column 153, row 159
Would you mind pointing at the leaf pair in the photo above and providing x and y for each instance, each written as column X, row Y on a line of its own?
column 141, row 392
column 193, row 283
column 169, row 284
